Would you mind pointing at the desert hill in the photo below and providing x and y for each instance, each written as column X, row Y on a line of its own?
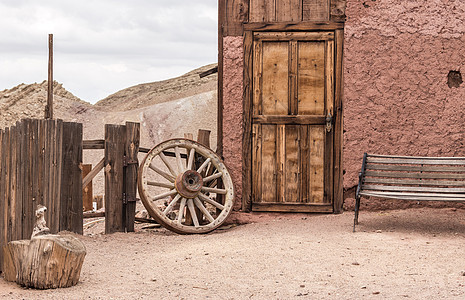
column 165, row 109
column 147, row 94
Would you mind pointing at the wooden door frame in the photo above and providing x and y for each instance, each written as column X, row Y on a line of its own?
column 337, row 188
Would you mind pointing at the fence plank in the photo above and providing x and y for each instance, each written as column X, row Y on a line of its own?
column 132, row 141
column 15, row 228
column 3, row 207
column 114, row 152
column 87, row 189
column 71, row 178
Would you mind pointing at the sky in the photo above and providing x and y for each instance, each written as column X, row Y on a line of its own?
column 103, row 46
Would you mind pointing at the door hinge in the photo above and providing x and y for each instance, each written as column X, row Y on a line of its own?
column 127, row 161
column 127, row 199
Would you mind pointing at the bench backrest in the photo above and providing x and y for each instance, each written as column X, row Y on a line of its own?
column 413, row 178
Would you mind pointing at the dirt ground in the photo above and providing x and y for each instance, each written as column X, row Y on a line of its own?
column 414, row 253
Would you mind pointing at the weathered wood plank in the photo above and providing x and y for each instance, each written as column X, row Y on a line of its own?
column 87, row 194
column 377, row 160
column 293, row 207
column 93, row 144
column 281, row 163
column 418, row 195
column 236, row 13
column 71, row 179
column 262, row 11
column 293, row 70
column 304, row 164
column 422, row 182
column 269, row 172
column 114, row 152
column 257, row 78
column 28, row 204
column 288, row 10
column 247, row 123
column 311, row 78
column 257, row 163
column 291, row 120
column 3, row 203
column 415, row 175
column 416, row 157
column 438, row 197
column 412, row 188
column 294, row 36
column 291, row 26
column 414, row 168
column 329, row 128
column 292, row 170
column 275, row 88
column 88, row 178
column 337, row 10
column 338, row 124
column 315, row 10
column 132, row 141
column 317, row 152
column 15, row 227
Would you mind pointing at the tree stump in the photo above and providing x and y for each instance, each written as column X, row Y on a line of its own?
column 45, row 261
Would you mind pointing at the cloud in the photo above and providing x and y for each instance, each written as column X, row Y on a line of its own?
column 103, row 46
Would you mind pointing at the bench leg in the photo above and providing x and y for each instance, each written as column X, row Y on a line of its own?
column 357, row 209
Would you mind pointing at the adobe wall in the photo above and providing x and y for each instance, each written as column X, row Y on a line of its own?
column 397, row 57
column 233, row 66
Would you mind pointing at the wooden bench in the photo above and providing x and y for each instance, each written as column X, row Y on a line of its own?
column 411, row 178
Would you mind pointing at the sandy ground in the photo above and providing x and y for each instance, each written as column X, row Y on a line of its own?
column 413, row 253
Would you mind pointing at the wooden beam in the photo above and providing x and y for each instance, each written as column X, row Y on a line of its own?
column 293, row 26
column 49, row 107
column 93, row 144
column 132, row 140
column 247, row 121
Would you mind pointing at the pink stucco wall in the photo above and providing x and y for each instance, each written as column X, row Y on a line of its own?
column 232, row 110
column 397, row 56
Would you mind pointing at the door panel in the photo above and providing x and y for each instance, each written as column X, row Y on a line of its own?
column 311, row 78
column 275, row 91
column 291, row 132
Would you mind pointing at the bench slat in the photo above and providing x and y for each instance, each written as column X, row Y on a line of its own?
column 404, row 197
column 414, row 175
column 412, row 189
column 415, row 161
column 437, row 195
column 414, row 168
column 415, row 157
column 413, row 181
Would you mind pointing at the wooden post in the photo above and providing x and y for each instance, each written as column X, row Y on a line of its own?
column 49, row 107
column 114, row 188
column 3, row 206
column 71, row 178
column 130, row 173
column 87, row 196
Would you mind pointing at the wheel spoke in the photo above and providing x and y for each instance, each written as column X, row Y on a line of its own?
column 190, row 205
column 181, row 209
column 213, row 190
column 165, row 175
column 167, row 164
column 205, row 163
column 212, row 177
column 160, row 184
column 171, row 205
column 178, row 159
column 161, row 196
column 212, row 202
column 191, row 159
column 203, row 209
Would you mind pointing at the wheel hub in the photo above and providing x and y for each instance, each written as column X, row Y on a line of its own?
column 189, row 183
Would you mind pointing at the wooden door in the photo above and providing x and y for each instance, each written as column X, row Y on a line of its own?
column 292, row 121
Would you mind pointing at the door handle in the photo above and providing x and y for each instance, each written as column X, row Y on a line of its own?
column 329, row 122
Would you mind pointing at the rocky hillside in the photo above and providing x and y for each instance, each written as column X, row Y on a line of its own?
column 147, row 94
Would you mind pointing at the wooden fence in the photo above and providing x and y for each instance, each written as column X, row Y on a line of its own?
column 40, row 164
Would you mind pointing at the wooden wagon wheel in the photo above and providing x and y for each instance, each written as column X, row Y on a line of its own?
column 185, row 187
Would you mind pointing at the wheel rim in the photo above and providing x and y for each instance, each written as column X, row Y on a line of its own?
column 185, row 186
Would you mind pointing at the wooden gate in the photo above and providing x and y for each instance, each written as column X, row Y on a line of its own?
column 292, row 132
